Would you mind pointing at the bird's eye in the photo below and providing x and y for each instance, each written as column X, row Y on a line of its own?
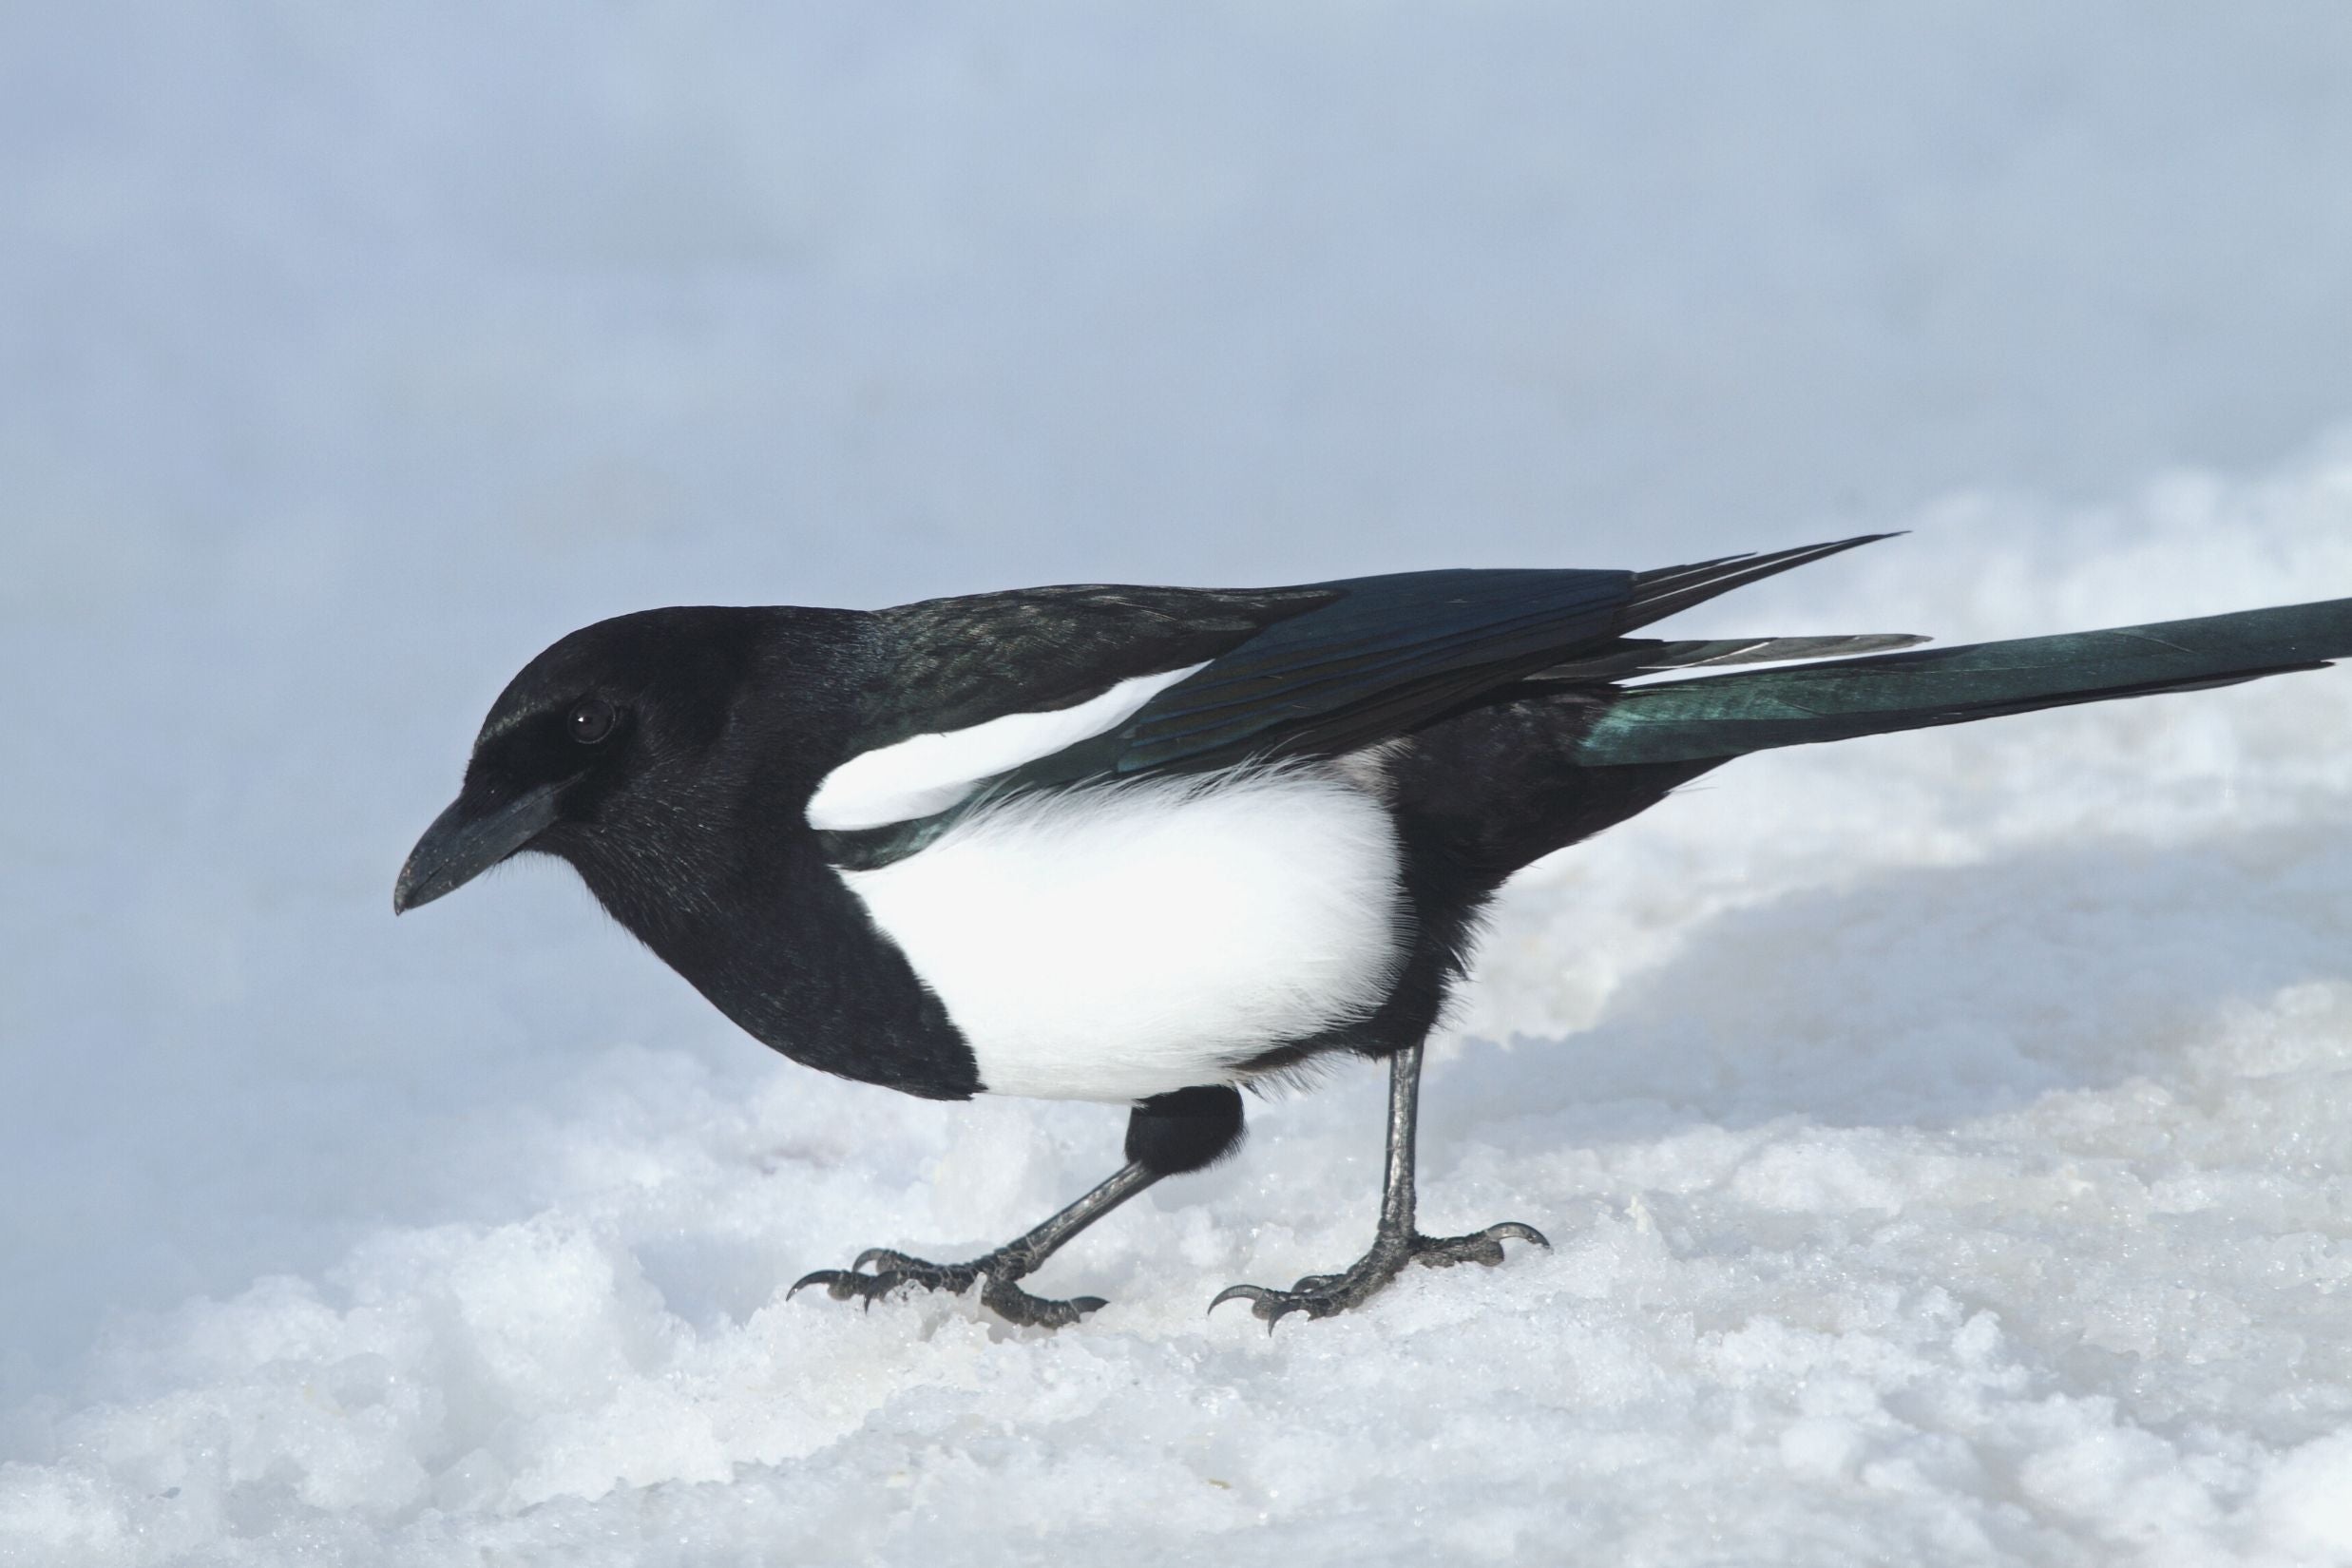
column 591, row 720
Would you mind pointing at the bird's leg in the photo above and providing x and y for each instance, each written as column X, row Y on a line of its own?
column 1166, row 1135
column 1396, row 1243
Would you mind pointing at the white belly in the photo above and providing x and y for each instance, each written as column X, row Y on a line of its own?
column 1128, row 940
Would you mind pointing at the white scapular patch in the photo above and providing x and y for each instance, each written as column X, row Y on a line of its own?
column 930, row 773
column 1124, row 941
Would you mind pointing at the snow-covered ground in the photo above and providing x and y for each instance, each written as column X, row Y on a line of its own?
column 1947, row 1138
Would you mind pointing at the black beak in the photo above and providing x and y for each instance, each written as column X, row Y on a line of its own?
column 469, row 839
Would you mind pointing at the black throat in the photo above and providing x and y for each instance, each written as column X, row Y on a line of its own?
column 794, row 961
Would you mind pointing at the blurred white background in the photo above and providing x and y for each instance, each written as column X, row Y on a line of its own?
column 350, row 353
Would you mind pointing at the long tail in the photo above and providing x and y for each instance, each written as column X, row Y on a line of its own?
column 1728, row 716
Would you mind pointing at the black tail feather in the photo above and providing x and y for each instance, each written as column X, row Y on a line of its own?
column 1670, row 591
column 1732, row 715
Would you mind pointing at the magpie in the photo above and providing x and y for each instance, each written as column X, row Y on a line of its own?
column 1146, row 846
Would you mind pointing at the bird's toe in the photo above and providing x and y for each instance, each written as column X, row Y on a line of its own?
column 1478, row 1247
column 848, row 1285
column 1019, row 1307
column 890, row 1270
column 1317, row 1296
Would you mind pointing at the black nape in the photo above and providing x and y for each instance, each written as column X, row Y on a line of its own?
column 1188, row 1130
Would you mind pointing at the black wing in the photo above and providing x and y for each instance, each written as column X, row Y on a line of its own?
column 954, row 662
column 1312, row 671
column 1388, row 655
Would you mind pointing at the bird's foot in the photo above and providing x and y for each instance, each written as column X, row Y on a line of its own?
column 1320, row 1295
column 1002, row 1295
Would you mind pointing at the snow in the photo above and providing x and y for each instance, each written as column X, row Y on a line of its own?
column 1947, row 1138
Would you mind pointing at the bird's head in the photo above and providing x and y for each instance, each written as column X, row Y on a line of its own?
column 607, row 718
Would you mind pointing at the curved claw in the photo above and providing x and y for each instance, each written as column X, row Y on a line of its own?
column 1517, row 1232
column 1270, row 1307
column 843, row 1284
column 827, row 1277
column 1236, row 1293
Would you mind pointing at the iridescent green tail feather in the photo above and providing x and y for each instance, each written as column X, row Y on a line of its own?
column 1731, row 715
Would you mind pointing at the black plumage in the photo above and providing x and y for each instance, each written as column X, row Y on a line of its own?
column 677, row 758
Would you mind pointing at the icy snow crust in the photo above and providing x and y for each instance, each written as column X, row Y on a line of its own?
column 1947, row 1138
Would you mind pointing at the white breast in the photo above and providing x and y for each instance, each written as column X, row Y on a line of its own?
column 1129, row 939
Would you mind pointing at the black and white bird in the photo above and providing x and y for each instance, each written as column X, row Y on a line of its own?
column 1145, row 845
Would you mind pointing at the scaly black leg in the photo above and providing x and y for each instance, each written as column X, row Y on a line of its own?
column 1166, row 1135
column 1397, row 1242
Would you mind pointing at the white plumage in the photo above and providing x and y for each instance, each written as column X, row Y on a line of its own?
column 1119, row 942
column 930, row 773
